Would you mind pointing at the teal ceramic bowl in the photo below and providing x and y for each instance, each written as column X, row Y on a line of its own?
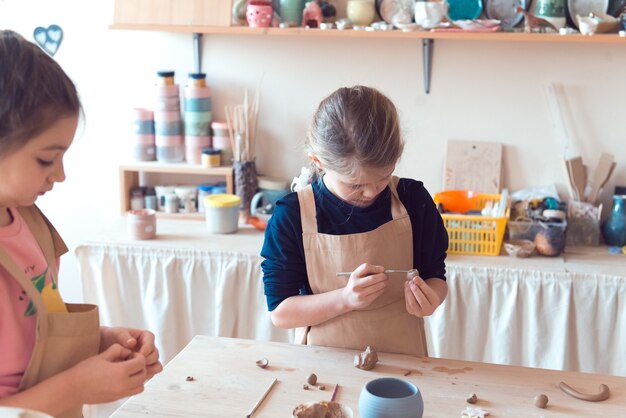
column 389, row 397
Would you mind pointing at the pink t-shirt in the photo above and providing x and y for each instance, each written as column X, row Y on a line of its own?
column 17, row 312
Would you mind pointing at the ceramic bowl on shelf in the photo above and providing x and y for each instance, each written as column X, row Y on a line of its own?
column 597, row 23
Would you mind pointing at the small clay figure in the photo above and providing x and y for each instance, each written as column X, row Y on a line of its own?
column 533, row 23
column 472, row 399
column 311, row 379
column 541, row 401
column 367, row 359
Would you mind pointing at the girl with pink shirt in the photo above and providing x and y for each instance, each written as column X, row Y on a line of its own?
column 54, row 356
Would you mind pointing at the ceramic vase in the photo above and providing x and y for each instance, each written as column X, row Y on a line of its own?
column 312, row 15
column 389, row 397
column 361, row 12
column 259, row 14
column 551, row 10
column 614, row 228
column 291, row 11
column 246, row 184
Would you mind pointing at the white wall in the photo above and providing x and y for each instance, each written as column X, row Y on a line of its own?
column 492, row 91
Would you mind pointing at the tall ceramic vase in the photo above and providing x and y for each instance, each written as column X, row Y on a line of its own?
column 551, row 10
column 246, row 184
column 614, row 228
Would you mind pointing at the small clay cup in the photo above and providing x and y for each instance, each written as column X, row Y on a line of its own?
column 390, row 397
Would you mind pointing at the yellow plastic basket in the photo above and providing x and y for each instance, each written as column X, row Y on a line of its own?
column 475, row 234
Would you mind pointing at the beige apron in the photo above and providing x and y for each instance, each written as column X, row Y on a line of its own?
column 63, row 339
column 384, row 324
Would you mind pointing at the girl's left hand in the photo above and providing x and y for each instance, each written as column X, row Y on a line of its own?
column 421, row 300
column 137, row 340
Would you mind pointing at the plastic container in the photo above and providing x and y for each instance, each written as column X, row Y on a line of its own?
column 211, row 157
column 204, row 190
column 141, row 224
column 472, row 234
column 528, row 229
column 222, row 213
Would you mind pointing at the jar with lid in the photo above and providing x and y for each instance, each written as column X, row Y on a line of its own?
column 222, row 213
column 614, row 228
column 150, row 198
column 141, row 224
column 211, row 157
column 165, row 78
column 136, row 198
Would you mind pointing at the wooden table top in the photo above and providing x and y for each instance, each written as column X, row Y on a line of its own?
column 227, row 383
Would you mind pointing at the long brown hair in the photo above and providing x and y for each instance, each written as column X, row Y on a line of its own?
column 35, row 92
column 355, row 127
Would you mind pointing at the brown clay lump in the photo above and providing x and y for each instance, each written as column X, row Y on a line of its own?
column 262, row 363
column 541, row 401
column 311, row 379
column 472, row 399
column 603, row 393
column 367, row 359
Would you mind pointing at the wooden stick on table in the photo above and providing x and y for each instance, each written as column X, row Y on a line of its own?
column 334, row 395
column 260, row 401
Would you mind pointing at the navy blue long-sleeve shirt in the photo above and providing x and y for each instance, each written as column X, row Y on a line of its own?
column 284, row 267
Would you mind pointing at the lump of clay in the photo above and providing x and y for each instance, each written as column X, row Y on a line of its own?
column 321, row 409
column 472, row 399
column 541, row 401
column 262, row 363
column 367, row 359
column 311, row 379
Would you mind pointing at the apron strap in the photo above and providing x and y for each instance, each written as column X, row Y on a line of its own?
column 46, row 235
column 397, row 208
column 307, row 210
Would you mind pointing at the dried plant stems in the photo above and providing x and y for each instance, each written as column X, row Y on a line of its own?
column 242, row 127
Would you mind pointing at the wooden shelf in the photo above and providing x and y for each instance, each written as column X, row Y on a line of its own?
column 609, row 38
column 129, row 178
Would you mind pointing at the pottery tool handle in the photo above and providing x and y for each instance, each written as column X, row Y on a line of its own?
column 347, row 273
column 260, row 401
column 334, row 395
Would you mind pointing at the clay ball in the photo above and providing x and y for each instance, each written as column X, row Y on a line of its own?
column 550, row 241
column 311, row 379
column 472, row 399
column 541, row 401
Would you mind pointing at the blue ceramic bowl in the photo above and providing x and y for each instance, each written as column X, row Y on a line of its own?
column 389, row 397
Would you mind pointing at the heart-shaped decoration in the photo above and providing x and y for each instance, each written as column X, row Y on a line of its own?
column 49, row 39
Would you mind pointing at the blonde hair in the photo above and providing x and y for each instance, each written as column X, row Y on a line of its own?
column 355, row 127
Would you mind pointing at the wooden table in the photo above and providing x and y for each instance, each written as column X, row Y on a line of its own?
column 227, row 383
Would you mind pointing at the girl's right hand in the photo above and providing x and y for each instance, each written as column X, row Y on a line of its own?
column 365, row 284
column 111, row 375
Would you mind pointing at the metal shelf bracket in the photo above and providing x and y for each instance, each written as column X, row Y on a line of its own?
column 427, row 61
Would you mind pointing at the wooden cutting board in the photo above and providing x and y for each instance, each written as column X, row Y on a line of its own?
column 472, row 165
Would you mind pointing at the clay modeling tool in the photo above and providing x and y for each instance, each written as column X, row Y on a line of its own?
column 260, row 401
column 412, row 273
column 332, row 397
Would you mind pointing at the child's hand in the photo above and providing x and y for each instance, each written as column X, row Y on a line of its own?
column 139, row 341
column 365, row 284
column 421, row 299
column 109, row 376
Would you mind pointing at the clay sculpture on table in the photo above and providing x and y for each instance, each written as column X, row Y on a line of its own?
column 321, row 409
column 541, row 401
column 367, row 359
column 603, row 393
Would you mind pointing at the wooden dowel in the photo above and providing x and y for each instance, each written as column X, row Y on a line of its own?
column 260, row 401
column 334, row 395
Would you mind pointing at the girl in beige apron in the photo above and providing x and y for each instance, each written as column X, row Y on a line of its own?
column 63, row 339
column 385, row 324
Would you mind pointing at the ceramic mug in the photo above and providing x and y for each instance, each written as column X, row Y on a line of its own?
column 264, row 198
column 390, row 397
column 429, row 14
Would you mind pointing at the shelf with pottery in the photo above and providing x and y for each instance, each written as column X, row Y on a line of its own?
column 130, row 177
column 604, row 38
